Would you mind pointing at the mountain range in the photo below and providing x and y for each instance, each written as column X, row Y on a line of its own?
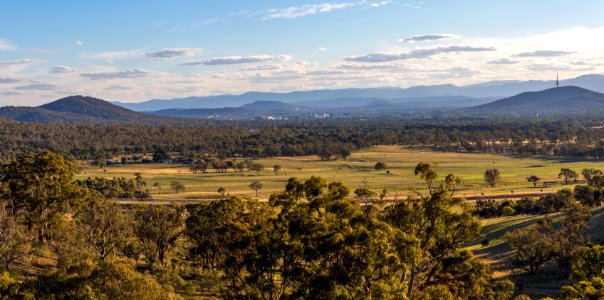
column 422, row 97
column 81, row 109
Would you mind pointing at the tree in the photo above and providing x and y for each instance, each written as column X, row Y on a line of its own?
column 140, row 181
column 14, row 240
column 157, row 185
column 240, row 167
column 158, row 227
column 508, row 211
column 42, row 186
column 571, row 235
column 256, row 186
column 160, row 154
column 276, row 169
column 568, row 174
column 221, row 191
column 534, row 179
column 588, row 174
column 258, row 167
column 380, row 166
column 534, row 246
column 491, row 177
column 587, row 275
column 103, row 225
column 177, row 186
column 438, row 223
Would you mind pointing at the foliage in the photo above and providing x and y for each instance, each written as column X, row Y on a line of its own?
column 587, row 275
column 491, row 176
column 158, row 227
column 41, row 186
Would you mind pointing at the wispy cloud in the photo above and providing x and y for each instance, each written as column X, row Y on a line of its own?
column 113, row 55
column 322, row 49
column 430, row 37
column 294, row 12
column 38, row 87
column 79, row 43
column 23, row 61
column 191, row 26
column 61, row 69
column 232, row 60
column 419, row 6
column 134, row 73
column 419, row 53
column 543, row 53
column 170, row 53
column 380, row 3
column 502, row 61
column 6, row 45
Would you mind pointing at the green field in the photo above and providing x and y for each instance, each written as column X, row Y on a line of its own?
column 357, row 171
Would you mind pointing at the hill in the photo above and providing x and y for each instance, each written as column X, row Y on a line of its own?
column 93, row 107
column 84, row 110
column 562, row 100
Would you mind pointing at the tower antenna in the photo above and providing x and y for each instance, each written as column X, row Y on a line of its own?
column 557, row 81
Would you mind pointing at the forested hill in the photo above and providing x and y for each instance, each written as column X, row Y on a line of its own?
column 86, row 110
column 562, row 100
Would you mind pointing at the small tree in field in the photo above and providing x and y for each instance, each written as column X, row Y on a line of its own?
column 276, row 169
column 256, row 186
column 491, row 176
column 568, row 174
column 177, row 186
column 157, row 185
column 533, row 179
column 380, row 166
column 221, row 191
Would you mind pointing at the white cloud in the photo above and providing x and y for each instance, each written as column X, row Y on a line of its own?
column 169, row 53
column 79, row 43
column 380, row 3
column 417, row 53
column 61, row 69
column 322, row 49
column 6, row 45
column 134, row 73
column 231, row 60
column 294, row 12
column 430, row 37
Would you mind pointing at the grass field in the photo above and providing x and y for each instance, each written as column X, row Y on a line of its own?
column 357, row 171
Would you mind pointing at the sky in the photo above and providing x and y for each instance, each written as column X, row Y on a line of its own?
column 137, row 50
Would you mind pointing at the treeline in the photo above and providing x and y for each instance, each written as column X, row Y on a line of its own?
column 328, row 139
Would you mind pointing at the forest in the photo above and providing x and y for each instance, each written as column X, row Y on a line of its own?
column 329, row 139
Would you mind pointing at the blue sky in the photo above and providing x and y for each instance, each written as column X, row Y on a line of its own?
column 138, row 50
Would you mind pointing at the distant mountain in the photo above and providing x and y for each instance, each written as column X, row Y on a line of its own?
column 562, row 100
column 247, row 111
column 359, row 97
column 80, row 109
column 93, row 107
column 271, row 106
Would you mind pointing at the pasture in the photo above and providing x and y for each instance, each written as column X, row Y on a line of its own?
column 357, row 171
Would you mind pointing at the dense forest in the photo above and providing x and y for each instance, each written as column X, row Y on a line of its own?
column 555, row 136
